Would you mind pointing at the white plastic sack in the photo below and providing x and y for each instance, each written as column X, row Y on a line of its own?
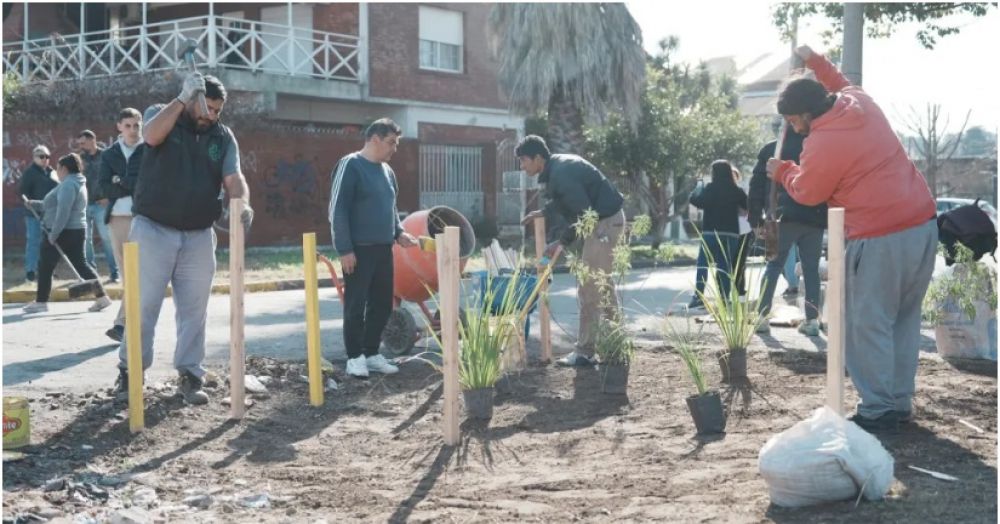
column 824, row 458
column 958, row 335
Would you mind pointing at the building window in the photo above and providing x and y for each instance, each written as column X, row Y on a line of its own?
column 441, row 39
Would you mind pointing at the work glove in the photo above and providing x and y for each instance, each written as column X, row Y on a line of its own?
column 193, row 84
column 247, row 218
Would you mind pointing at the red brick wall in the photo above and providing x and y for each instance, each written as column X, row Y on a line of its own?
column 394, row 58
column 336, row 18
column 288, row 171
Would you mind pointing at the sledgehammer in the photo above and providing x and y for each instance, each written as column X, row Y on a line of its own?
column 188, row 46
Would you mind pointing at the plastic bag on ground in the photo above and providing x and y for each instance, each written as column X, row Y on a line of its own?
column 824, row 458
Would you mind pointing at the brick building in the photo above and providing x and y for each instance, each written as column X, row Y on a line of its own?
column 304, row 81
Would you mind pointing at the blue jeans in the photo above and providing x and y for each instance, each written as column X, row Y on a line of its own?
column 95, row 220
column 723, row 249
column 789, row 271
column 33, row 243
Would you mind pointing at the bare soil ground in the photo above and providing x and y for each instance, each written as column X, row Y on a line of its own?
column 556, row 450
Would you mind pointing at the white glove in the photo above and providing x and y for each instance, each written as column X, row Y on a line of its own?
column 193, row 84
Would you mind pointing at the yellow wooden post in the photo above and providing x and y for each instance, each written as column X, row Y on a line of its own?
column 237, row 355
column 133, row 339
column 312, row 319
column 448, row 276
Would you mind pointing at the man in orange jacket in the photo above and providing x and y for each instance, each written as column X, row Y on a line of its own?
column 852, row 158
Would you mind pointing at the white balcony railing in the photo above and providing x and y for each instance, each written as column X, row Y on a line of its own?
column 223, row 42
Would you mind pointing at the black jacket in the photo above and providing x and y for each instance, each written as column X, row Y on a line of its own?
column 113, row 164
column 760, row 186
column 36, row 182
column 573, row 185
column 721, row 200
column 180, row 180
column 92, row 172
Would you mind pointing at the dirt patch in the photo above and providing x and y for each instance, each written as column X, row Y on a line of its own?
column 557, row 449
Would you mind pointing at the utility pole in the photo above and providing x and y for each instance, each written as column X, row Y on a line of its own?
column 854, row 22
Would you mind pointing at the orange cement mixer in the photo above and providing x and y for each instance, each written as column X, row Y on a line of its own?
column 415, row 276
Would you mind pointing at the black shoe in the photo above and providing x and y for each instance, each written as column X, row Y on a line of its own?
column 30, row 277
column 904, row 417
column 791, row 292
column 121, row 384
column 190, row 388
column 886, row 422
column 696, row 303
column 116, row 333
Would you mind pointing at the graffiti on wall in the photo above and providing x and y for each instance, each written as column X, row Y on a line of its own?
column 291, row 189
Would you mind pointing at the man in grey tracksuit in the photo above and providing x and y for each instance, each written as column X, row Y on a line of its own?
column 364, row 224
column 572, row 186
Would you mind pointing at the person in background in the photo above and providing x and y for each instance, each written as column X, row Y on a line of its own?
column 119, row 172
column 63, row 212
column 97, row 206
column 36, row 182
column 722, row 201
column 745, row 244
column 799, row 226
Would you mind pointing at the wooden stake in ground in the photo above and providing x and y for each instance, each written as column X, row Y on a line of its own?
column 237, row 355
column 544, row 317
column 133, row 338
column 312, row 320
column 448, row 275
column 836, row 328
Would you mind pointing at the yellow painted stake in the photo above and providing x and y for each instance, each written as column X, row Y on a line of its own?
column 312, row 319
column 133, row 339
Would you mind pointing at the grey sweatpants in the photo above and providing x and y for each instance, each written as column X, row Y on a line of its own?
column 186, row 261
column 887, row 278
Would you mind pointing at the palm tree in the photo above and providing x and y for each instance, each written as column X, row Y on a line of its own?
column 574, row 61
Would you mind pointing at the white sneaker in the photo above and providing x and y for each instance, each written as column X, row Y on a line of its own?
column 100, row 304
column 809, row 328
column 764, row 328
column 379, row 364
column 356, row 367
column 36, row 307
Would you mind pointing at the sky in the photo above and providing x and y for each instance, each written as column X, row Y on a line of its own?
column 897, row 71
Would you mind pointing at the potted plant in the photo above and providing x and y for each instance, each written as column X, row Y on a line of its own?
column 737, row 318
column 706, row 405
column 492, row 318
column 615, row 351
column 961, row 303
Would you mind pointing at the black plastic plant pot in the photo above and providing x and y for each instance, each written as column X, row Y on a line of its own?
column 614, row 379
column 706, row 410
column 478, row 403
column 733, row 364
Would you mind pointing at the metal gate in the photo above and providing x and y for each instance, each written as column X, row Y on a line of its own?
column 452, row 176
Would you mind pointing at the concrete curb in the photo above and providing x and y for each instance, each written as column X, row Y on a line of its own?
column 115, row 292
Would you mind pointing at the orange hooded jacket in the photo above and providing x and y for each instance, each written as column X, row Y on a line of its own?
column 853, row 159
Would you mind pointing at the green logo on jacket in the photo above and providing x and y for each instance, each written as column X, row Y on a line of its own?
column 214, row 152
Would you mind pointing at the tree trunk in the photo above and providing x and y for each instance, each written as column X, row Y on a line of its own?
column 660, row 211
column 565, row 125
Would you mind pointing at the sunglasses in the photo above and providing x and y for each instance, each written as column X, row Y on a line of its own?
column 43, row 157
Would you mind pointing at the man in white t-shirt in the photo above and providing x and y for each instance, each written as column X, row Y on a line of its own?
column 119, row 171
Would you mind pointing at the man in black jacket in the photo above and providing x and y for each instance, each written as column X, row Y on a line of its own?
column 798, row 225
column 36, row 182
column 119, row 172
column 188, row 157
column 572, row 186
column 97, row 202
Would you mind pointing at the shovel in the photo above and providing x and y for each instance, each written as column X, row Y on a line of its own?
column 81, row 287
